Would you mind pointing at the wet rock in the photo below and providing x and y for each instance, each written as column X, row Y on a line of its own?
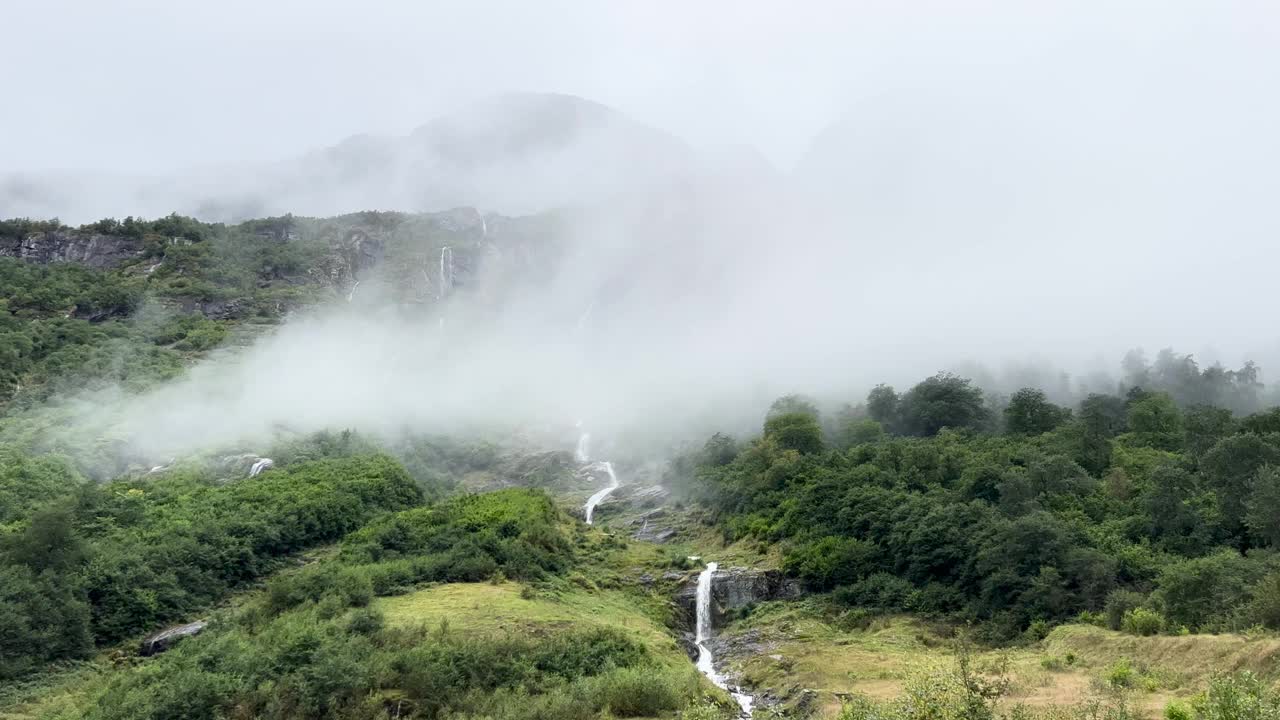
column 654, row 534
column 166, row 638
column 92, row 249
column 351, row 257
column 735, row 588
column 687, row 643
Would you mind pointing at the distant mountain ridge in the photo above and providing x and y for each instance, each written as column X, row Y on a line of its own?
column 514, row 153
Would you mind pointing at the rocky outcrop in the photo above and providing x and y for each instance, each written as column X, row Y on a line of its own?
column 233, row 309
column 735, row 588
column 350, row 259
column 651, row 527
column 168, row 637
column 92, row 249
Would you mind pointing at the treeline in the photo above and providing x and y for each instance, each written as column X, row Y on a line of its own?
column 1128, row 510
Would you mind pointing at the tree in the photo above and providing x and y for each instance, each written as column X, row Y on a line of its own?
column 720, row 449
column 1030, row 413
column 1183, row 515
column 788, row 404
column 1262, row 510
column 797, row 431
column 1230, row 468
column 882, row 406
column 1156, row 421
column 944, row 400
column 1204, row 426
column 1102, row 417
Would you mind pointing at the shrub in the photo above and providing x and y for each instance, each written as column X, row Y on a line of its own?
column 1121, row 674
column 1141, row 621
column 1120, row 602
column 1177, row 710
column 642, row 692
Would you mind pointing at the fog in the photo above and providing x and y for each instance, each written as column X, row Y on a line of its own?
column 811, row 198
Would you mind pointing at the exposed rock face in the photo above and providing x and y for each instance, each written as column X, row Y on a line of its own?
column 166, row 638
column 735, row 588
column 217, row 309
column 650, row 526
column 92, row 249
column 350, row 259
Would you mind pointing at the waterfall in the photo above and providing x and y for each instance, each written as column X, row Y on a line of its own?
column 702, row 633
column 600, row 495
column 260, row 465
column 352, row 294
column 446, row 270
column 484, row 226
column 582, row 452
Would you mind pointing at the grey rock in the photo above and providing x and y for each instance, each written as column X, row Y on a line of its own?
column 654, row 534
column 166, row 638
column 92, row 249
column 217, row 309
column 735, row 588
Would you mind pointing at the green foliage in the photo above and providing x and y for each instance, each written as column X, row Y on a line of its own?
column 830, row 561
column 1120, row 604
column 1242, row 696
column 1155, row 421
column 131, row 555
column 1015, row 530
column 1141, row 621
column 797, row 431
column 1202, row 593
column 467, row 539
column 305, row 664
column 1262, row 509
column 1121, row 674
column 1030, row 413
column 944, row 400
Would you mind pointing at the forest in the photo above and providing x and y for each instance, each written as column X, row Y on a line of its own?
column 1134, row 510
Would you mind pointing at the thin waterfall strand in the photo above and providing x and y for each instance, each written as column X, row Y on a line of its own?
column 702, row 633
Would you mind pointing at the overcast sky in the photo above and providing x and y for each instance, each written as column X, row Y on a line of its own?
column 158, row 84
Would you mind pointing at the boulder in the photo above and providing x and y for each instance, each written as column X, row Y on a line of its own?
column 166, row 638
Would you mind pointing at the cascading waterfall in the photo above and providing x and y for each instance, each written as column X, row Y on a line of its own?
column 352, row 294
column 260, row 465
column 582, row 452
column 702, row 633
column 600, row 495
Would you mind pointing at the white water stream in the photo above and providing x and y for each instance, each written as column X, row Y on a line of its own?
column 600, row 495
column 702, row 633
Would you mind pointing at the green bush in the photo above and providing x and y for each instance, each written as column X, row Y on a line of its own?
column 1141, row 621
column 1121, row 674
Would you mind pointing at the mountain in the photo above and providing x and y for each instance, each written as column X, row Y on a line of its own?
column 514, row 153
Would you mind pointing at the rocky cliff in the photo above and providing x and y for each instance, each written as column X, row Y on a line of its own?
column 735, row 588
column 92, row 249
